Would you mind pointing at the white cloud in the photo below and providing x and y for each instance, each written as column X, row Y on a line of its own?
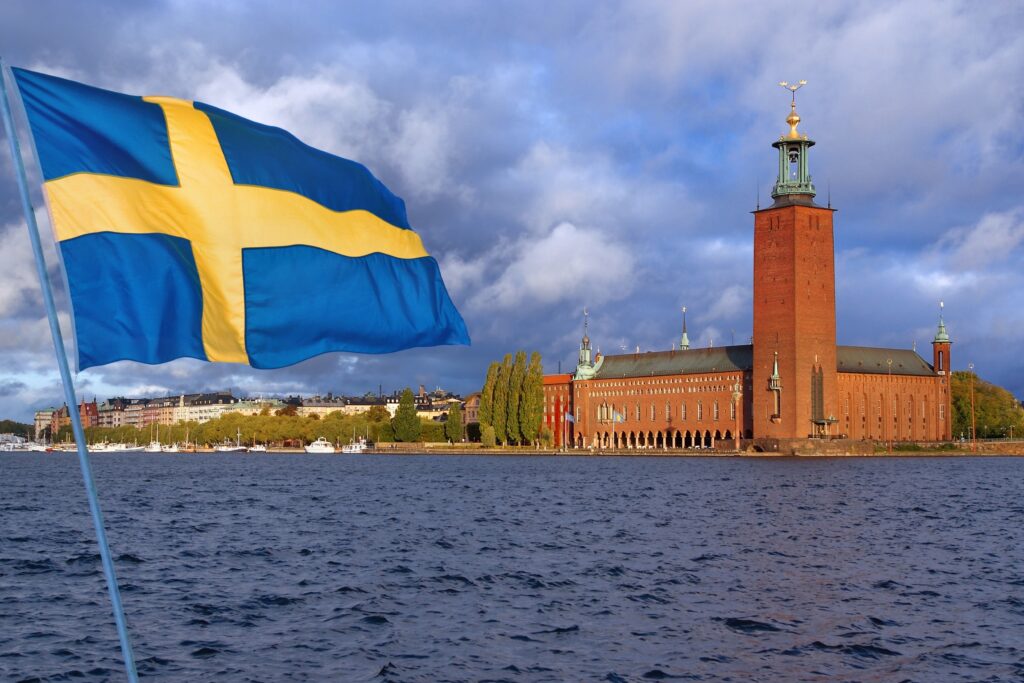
column 568, row 264
column 993, row 239
column 732, row 301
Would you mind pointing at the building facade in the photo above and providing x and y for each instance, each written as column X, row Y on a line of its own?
column 792, row 383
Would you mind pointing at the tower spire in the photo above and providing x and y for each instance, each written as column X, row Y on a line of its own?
column 794, row 175
column 684, row 343
column 941, row 336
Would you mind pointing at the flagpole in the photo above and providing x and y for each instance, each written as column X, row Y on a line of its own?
column 66, row 380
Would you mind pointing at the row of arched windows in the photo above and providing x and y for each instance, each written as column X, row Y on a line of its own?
column 606, row 412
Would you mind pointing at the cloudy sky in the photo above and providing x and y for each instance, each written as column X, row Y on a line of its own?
column 566, row 154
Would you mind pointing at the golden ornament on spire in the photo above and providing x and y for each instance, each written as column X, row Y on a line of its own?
column 793, row 119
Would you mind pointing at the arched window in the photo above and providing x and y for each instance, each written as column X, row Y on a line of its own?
column 941, row 361
column 682, row 411
column 652, row 412
column 638, row 412
column 714, row 408
column 668, row 411
column 700, row 411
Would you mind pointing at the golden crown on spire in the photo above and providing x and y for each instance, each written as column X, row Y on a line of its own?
column 793, row 119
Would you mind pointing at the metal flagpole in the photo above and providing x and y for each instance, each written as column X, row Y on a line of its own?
column 65, row 375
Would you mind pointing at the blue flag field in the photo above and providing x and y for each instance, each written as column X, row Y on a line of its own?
column 189, row 231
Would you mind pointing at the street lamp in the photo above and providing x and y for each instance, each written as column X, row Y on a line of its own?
column 737, row 393
column 974, row 435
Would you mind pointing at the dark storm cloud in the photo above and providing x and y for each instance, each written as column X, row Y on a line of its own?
column 561, row 155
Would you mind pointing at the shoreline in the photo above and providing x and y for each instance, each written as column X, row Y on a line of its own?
column 421, row 449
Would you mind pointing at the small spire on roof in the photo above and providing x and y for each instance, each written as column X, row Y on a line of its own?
column 684, row 343
column 941, row 336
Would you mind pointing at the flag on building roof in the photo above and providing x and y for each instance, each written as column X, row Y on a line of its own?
column 188, row 231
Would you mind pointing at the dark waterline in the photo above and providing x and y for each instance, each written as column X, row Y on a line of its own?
column 433, row 568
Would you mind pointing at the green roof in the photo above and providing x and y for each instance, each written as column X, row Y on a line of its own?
column 874, row 361
column 732, row 358
column 654, row 363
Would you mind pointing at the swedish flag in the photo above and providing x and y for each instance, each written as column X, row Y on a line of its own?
column 188, row 231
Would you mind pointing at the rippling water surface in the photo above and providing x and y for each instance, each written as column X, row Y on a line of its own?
column 421, row 568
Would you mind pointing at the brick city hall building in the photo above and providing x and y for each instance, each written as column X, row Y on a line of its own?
column 792, row 388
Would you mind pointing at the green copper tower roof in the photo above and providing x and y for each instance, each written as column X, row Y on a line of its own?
column 941, row 336
column 794, row 174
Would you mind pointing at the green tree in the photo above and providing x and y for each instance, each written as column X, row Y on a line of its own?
column 531, row 402
column 453, row 427
column 384, row 433
column 546, row 437
column 485, row 413
column 499, row 405
column 515, row 396
column 487, row 439
column 406, row 424
column 377, row 413
column 996, row 411
column 432, row 432
column 16, row 428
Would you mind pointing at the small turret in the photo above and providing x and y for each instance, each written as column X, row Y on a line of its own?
column 941, row 346
column 587, row 367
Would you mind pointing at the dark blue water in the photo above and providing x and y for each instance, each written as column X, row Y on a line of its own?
column 370, row 568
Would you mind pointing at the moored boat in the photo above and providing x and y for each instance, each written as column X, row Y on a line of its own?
column 228, row 447
column 355, row 447
column 321, row 445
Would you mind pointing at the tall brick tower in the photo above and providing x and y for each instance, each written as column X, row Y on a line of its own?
column 941, row 346
column 794, row 390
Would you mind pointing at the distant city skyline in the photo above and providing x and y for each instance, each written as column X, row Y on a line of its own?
column 570, row 155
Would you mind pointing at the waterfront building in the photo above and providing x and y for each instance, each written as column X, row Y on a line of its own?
column 322, row 406
column 205, row 407
column 254, row 406
column 43, row 421
column 792, row 384
column 557, row 405
column 133, row 412
column 471, row 410
column 111, row 412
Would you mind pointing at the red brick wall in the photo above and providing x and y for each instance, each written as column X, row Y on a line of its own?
column 654, row 410
column 901, row 408
column 557, row 404
column 794, row 314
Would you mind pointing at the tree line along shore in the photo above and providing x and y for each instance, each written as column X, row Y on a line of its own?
column 510, row 413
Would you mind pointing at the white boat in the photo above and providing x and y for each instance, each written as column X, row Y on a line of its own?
column 153, row 447
column 258, row 448
column 354, row 447
column 171, row 448
column 227, row 447
column 321, row 445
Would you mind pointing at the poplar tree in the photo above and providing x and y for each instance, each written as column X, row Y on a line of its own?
column 531, row 403
column 406, row 423
column 499, row 404
column 515, row 397
column 453, row 427
column 485, row 413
